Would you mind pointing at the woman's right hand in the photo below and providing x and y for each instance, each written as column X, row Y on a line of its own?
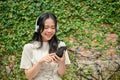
column 48, row 58
column 33, row 71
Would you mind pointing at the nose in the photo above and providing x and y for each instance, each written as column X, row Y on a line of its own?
column 49, row 29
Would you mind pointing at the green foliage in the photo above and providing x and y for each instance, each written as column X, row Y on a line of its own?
column 17, row 20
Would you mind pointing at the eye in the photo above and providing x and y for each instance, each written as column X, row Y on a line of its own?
column 53, row 27
column 46, row 27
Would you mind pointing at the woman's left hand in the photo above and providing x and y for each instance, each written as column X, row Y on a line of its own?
column 58, row 59
column 61, row 64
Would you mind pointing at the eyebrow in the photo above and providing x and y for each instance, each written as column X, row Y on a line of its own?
column 50, row 25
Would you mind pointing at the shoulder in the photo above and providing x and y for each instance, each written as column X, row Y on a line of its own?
column 27, row 46
column 61, row 43
column 32, row 45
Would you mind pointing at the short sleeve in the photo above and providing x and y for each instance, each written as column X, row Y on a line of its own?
column 26, row 57
column 67, row 60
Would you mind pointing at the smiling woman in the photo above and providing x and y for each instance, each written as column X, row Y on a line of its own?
column 39, row 60
column 49, row 30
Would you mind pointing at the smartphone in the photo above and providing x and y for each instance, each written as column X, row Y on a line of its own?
column 60, row 51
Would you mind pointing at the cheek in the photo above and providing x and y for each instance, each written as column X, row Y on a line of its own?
column 43, row 33
column 54, row 30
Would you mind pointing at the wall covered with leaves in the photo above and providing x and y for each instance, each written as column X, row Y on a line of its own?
column 81, row 22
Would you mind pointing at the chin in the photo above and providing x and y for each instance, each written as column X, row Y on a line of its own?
column 48, row 39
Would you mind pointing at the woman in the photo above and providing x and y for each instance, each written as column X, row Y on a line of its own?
column 39, row 59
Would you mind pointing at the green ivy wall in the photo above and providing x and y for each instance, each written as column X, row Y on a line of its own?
column 17, row 24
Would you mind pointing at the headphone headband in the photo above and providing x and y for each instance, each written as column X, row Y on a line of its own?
column 36, row 26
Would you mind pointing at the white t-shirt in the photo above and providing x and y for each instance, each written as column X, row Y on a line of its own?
column 32, row 54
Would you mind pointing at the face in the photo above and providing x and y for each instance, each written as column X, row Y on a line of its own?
column 49, row 30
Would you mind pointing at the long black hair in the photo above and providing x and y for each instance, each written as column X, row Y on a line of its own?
column 53, row 43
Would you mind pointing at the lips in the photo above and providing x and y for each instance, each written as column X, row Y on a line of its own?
column 48, row 35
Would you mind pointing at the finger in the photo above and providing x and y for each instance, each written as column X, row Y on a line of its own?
column 64, row 53
column 52, row 54
column 56, row 60
column 48, row 59
column 57, row 57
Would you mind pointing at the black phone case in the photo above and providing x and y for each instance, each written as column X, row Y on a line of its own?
column 60, row 51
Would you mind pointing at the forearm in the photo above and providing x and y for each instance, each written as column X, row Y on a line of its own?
column 32, row 72
column 61, row 68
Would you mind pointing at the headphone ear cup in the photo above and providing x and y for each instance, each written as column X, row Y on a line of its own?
column 36, row 28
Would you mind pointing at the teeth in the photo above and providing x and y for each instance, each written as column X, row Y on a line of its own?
column 48, row 35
